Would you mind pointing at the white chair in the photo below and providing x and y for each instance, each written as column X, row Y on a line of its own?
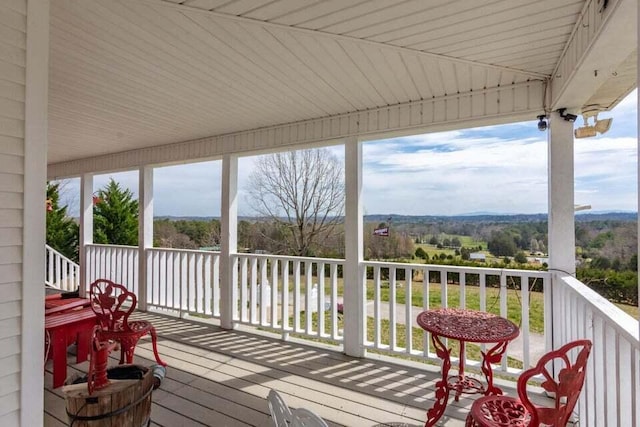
column 283, row 417
column 302, row 417
column 280, row 412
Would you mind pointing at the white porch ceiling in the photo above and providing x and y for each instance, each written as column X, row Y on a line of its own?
column 133, row 74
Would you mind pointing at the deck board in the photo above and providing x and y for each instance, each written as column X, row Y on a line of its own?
column 221, row 378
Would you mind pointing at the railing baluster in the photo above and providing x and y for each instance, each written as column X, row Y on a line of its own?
column 254, row 291
column 58, row 269
column 285, row 325
column 321, row 312
column 392, row 308
column 263, row 291
column 334, row 300
column 296, row 295
column 244, row 300
column 208, row 284
column 444, row 289
column 308, row 307
column 503, row 311
column 216, row 285
column 199, row 284
column 377, row 328
column 274, row 293
column 462, row 277
column 408, row 310
column 425, row 306
column 524, row 327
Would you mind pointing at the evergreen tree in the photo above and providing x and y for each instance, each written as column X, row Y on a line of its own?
column 502, row 244
column 62, row 230
column 520, row 258
column 115, row 216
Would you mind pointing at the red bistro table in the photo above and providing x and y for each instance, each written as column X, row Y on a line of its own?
column 465, row 326
column 67, row 321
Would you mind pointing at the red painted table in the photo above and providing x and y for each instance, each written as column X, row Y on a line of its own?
column 465, row 326
column 67, row 321
column 56, row 304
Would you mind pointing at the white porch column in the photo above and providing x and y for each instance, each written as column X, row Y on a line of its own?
column 638, row 154
column 23, row 145
column 561, row 216
column 145, row 230
column 229, row 239
column 86, row 230
column 561, row 198
column 354, row 306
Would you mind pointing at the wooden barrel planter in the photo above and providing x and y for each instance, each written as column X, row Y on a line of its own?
column 123, row 402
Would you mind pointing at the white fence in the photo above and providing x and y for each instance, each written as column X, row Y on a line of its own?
column 184, row 280
column 301, row 296
column 116, row 263
column 60, row 271
column 291, row 294
column 611, row 394
column 396, row 293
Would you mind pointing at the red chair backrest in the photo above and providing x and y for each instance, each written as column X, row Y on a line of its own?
column 112, row 303
column 571, row 360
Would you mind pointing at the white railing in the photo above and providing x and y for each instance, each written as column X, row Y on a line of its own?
column 279, row 292
column 396, row 293
column 270, row 291
column 611, row 394
column 116, row 263
column 60, row 271
column 187, row 281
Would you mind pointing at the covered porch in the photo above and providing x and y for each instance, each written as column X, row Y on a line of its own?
column 220, row 377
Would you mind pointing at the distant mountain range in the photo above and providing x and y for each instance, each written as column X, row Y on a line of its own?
column 471, row 217
column 501, row 218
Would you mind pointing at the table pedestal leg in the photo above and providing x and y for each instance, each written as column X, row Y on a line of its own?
column 442, row 386
column 494, row 355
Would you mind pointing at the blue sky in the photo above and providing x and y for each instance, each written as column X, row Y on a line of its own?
column 500, row 169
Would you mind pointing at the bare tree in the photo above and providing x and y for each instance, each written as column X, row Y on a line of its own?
column 302, row 192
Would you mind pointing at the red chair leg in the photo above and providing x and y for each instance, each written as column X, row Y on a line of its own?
column 131, row 347
column 154, row 340
column 123, row 351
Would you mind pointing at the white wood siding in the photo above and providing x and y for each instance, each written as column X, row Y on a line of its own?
column 12, row 113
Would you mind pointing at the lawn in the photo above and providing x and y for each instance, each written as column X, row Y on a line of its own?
column 472, row 296
column 417, row 338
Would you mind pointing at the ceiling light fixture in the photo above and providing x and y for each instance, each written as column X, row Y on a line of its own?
column 598, row 127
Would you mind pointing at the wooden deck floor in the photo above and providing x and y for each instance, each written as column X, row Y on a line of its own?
column 221, row 378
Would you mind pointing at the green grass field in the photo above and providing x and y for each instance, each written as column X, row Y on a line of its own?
column 472, row 297
column 417, row 338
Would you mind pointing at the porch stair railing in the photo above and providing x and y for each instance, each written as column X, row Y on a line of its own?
column 60, row 271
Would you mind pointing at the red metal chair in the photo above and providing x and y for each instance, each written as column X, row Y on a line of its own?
column 498, row 411
column 113, row 304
